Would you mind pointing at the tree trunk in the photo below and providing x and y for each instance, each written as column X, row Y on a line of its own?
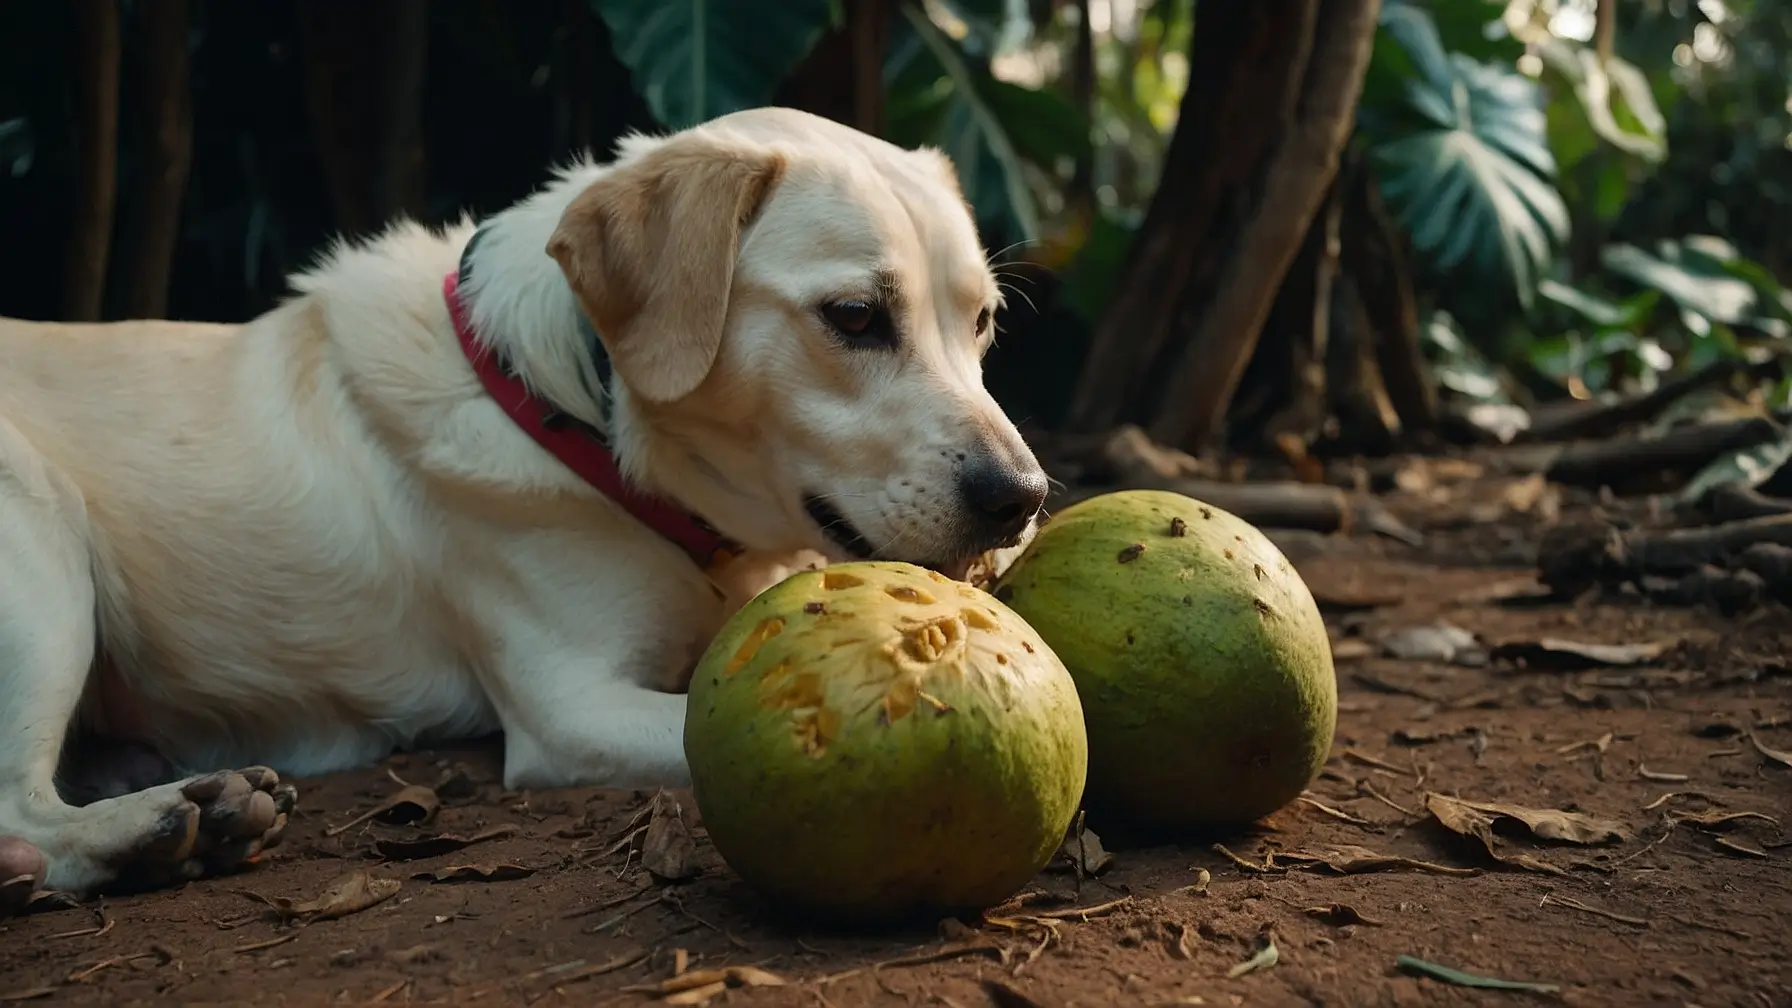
column 364, row 63
column 1269, row 105
column 1375, row 254
column 167, row 115
column 96, row 159
column 842, row 77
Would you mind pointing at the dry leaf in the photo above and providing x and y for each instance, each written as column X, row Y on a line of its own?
column 413, row 804
column 1339, row 915
column 477, row 873
column 1780, row 756
column 1348, row 859
column 1352, row 649
column 1476, row 819
column 1556, row 653
column 1083, row 852
column 668, row 850
column 1266, row 957
column 1645, row 773
column 414, row 848
column 351, row 894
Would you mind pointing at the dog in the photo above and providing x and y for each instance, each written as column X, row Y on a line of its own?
column 507, row 476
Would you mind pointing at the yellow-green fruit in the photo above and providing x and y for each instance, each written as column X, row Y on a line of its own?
column 873, row 741
column 1203, row 665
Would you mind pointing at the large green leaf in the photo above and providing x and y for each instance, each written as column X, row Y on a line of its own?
column 693, row 60
column 943, row 95
column 1463, row 157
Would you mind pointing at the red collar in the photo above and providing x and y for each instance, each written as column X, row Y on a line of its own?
column 578, row 447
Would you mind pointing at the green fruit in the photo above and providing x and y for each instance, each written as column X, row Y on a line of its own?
column 1203, row 665
column 873, row 741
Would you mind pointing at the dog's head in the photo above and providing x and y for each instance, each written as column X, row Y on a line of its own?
column 798, row 312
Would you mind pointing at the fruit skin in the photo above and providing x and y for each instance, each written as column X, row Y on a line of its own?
column 1202, row 662
column 873, row 742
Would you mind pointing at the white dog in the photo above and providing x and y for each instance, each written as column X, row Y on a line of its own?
column 510, row 478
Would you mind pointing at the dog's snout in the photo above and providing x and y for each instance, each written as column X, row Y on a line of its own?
column 1002, row 495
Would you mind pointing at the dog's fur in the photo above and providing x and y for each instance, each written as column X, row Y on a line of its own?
column 308, row 540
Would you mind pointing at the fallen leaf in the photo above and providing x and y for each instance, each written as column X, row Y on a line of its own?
column 1352, row 649
column 414, row 848
column 1348, row 859
column 413, row 804
column 1083, row 853
column 1780, row 756
column 477, row 873
column 1645, row 773
column 668, row 850
column 351, row 894
column 1420, row 967
column 28, row 994
column 1550, row 824
column 1476, row 819
column 1556, row 653
column 1266, row 957
column 1339, row 915
column 1439, row 642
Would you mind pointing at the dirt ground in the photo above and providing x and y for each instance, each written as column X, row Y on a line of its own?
column 1690, row 904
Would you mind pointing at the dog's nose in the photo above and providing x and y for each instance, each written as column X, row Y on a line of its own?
column 1003, row 496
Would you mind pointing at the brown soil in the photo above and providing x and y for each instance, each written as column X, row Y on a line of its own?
column 1675, row 913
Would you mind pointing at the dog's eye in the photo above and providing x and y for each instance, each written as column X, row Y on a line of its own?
column 860, row 323
column 983, row 321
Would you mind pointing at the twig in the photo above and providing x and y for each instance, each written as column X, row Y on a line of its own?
column 154, row 953
column 1363, row 757
column 1368, row 790
column 605, row 905
column 919, row 959
column 270, row 943
column 1550, row 899
column 389, row 991
column 1083, row 913
column 618, row 963
column 1338, row 814
column 1719, row 928
column 104, row 927
column 1239, row 860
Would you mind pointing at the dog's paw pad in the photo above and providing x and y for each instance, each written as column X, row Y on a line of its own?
column 220, row 822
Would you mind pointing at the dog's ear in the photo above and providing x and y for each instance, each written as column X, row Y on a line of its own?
column 649, row 251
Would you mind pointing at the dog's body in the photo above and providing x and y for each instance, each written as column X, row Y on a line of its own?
column 303, row 542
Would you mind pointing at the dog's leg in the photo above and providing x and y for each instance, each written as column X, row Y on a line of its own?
column 613, row 735
column 47, row 642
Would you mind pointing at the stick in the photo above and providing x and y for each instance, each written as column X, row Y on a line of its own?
column 1638, row 463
